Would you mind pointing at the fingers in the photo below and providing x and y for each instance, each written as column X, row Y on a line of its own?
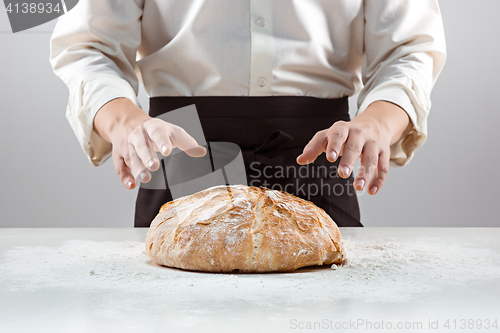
column 167, row 136
column 141, row 151
column 314, row 148
column 185, row 142
column 153, row 135
column 352, row 141
column 137, row 165
column 369, row 162
column 352, row 151
column 337, row 136
column 123, row 171
column 160, row 135
column 382, row 171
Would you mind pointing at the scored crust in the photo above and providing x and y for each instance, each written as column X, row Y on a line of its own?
column 246, row 229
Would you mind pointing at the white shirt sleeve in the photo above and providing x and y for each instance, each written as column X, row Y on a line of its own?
column 404, row 54
column 93, row 50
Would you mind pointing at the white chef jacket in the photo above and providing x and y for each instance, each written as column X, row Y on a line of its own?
column 390, row 50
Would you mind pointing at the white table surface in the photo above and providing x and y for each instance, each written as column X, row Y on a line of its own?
column 99, row 280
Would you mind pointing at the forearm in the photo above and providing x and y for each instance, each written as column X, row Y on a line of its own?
column 387, row 119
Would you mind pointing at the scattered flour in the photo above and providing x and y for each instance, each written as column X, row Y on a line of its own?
column 390, row 271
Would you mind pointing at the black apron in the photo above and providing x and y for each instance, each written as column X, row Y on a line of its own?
column 271, row 132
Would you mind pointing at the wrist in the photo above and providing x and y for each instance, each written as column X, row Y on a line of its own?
column 389, row 119
column 116, row 116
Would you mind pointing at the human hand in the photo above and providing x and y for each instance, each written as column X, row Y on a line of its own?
column 367, row 136
column 136, row 137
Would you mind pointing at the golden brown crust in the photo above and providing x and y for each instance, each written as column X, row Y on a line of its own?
column 245, row 229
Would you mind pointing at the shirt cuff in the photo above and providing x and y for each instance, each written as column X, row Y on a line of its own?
column 402, row 151
column 91, row 94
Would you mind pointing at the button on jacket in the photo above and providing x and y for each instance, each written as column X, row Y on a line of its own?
column 390, row 50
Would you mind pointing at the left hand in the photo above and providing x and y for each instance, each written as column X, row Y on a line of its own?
column 368, row 136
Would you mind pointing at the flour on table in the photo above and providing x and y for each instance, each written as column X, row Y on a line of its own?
column 390, row 271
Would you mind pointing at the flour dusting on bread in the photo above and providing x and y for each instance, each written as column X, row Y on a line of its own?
column 243, row 228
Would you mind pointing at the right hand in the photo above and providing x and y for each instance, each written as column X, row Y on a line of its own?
column 122, row 123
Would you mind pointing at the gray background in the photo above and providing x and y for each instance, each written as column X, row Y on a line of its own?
column 453, row 180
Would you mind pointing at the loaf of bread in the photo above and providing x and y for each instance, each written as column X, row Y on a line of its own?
column 243, row 229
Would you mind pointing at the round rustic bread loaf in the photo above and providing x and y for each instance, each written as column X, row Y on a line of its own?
column 244, row 229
